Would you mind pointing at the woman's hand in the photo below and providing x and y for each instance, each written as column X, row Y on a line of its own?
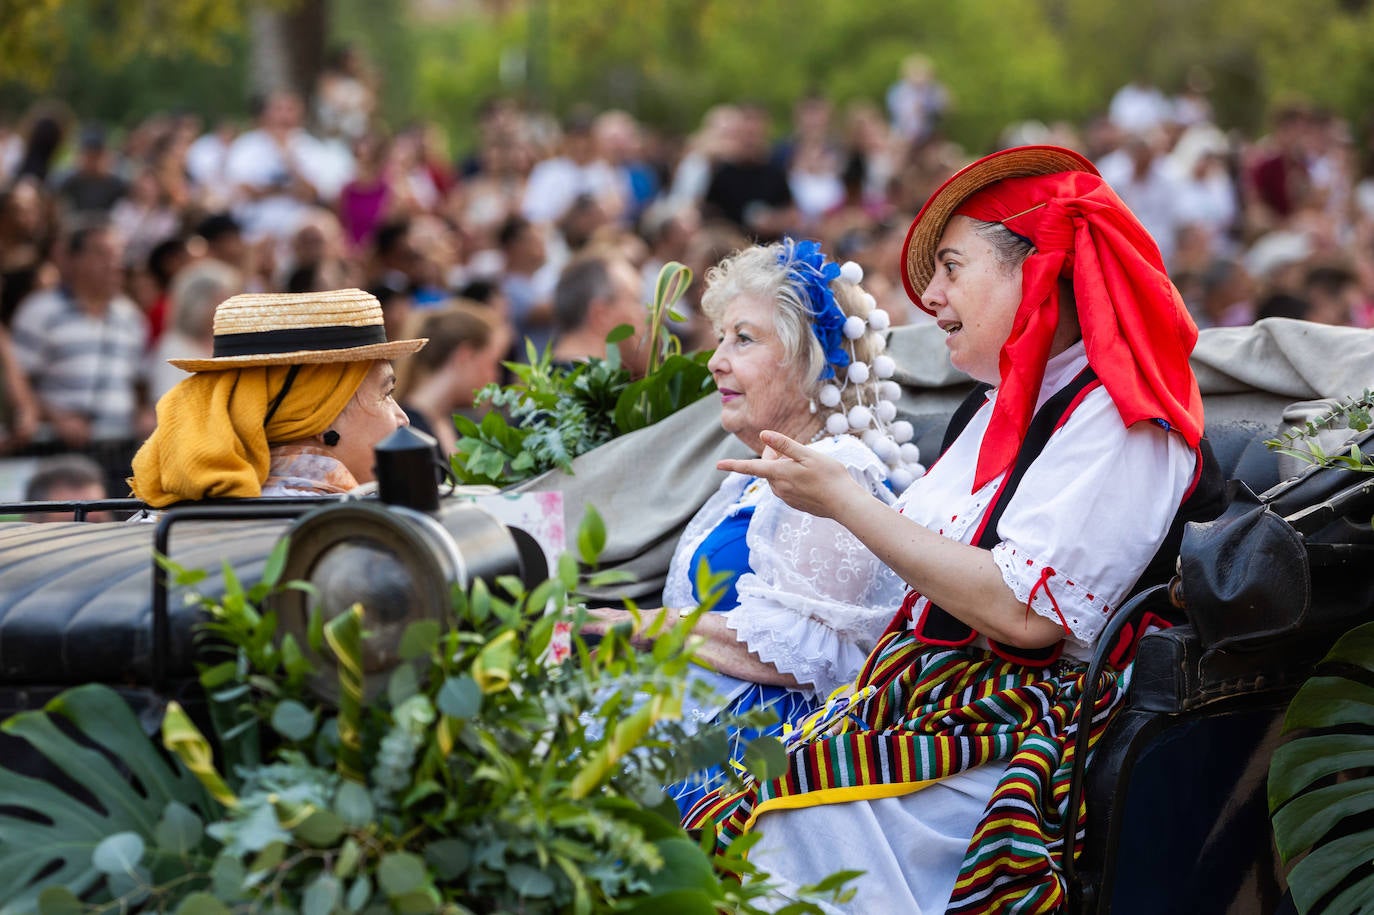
column 601, row 620
column 806, row 480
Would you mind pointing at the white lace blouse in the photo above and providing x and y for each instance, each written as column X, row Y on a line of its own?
column 1081, row 509
column 816, row 599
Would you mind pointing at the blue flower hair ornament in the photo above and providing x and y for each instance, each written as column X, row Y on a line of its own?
column 873, row 415
column 809, row 270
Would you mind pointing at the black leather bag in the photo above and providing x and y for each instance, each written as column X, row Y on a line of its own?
column 1297, row 556
column 1245, row 574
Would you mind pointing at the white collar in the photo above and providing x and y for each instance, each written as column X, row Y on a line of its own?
column 1059, row 371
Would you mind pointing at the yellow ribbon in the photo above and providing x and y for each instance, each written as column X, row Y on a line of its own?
column 492, row 666
column 181, row 736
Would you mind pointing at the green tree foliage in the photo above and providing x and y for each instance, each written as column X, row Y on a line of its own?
column 40, row 37
column 667, row 61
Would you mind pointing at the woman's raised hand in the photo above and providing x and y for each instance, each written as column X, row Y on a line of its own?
column 806, row 480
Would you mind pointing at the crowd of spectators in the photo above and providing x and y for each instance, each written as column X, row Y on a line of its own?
column 117, row 241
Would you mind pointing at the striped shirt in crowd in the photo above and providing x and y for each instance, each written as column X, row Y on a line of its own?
column 83, row 363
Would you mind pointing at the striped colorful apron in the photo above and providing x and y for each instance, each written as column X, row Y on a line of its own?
column 924, row 713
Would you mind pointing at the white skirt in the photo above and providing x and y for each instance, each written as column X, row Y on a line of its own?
column 910, row 848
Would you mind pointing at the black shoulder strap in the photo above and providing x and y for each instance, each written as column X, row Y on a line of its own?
column 964, row 412
column 937, row 625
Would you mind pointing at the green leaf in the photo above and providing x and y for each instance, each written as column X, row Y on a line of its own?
column 567, row 571
column 344, row 634
column 765, row 758
column 227, row 877
column 293, row 720
column 1308, row 818
column 354, row 805
column 620, row 332
column 417, row 902
column 276, row 562
column 529, row 881
column 1319, row 781
column 58, row 900
column 591, row 536
column 402, row 684
column 1326, row 867
column 834, row 882
column 179, row 831
column 314, row 630
column 400, row 873
column 272, row 854
column 448, row 857
column 201, row 904
column 512, row 585
column 460, row 697
column 322, row 896
column 685, row 867
column 1328, row 702
column 1353, row 900
column 119, row 853
column 214, row 677
column 611, row 577
column 44, row 830
column 479, row 603
column 419, row 639
column 1299, row 763
column 293, row 661
column 359, row 893
column 321, row 829
column 349, row 855
column 709, row 749
column 261, row 832
column 425, row 789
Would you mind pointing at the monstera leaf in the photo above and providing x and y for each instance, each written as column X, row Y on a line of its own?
column 47, row 836
column 1321, row 783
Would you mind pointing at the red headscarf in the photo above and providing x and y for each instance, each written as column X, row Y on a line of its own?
column 1136, row 329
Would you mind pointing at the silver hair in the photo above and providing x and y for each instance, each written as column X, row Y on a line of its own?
column 762, row 271
column 1010, row 249
column 195, row 292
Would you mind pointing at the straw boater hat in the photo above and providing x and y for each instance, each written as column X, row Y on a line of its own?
column 918, row 251
column 342, row 325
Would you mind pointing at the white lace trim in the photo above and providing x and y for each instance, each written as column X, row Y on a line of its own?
column 817, row 599
column 1085, row 611
column 819, row 658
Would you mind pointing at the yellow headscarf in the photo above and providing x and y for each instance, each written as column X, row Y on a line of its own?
column 211, row 442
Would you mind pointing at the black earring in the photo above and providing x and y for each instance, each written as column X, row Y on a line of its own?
column 331, row 438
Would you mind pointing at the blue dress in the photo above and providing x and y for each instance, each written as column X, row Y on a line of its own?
column 725, row 550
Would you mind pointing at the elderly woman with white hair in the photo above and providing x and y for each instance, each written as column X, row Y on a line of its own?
column 800, row 348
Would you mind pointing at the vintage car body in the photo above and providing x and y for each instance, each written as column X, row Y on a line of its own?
column 1177, row 818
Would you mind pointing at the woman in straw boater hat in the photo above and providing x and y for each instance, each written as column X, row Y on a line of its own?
column 297, row 393
column 938, row 775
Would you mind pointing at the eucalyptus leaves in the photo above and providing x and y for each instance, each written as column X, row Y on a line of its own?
column 1303, row 442
column 504, row 766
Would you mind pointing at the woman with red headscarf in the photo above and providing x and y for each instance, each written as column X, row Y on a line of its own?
column 937, row 777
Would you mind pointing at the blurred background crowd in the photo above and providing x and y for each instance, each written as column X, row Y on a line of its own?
column 117, row 240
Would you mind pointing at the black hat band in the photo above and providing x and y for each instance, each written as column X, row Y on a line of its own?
column 291, row 340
